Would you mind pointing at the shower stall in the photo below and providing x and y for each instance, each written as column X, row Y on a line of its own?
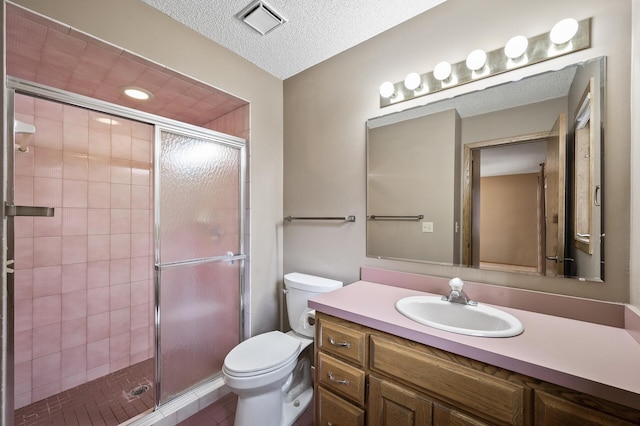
column 125, row 253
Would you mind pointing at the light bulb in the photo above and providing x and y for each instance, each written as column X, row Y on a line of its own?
column 136, row 93
column 516, row 47
column 563, row 31
column 387, row 90
column 476, row 60
column 413, row 81
column 442, row 71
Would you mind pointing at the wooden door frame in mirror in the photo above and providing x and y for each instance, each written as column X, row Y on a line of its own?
column 468, row 182
column 584, row 243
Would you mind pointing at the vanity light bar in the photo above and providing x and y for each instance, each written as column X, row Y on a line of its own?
column 481, row 65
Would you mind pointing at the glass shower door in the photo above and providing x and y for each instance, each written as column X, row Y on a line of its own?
column 199, row 256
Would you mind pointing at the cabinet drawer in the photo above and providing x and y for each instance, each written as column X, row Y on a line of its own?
column 339, row 340
column 341, row 377
column 334, row 411
column 550, row 409
column 482, row 394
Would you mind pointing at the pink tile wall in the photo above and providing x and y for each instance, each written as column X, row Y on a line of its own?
column 234, row 123
column 84, row 278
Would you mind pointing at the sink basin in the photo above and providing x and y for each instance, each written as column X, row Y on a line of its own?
column 479, row 320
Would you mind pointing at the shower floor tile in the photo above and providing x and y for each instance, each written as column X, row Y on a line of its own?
column 222, row 413
column 105, row 401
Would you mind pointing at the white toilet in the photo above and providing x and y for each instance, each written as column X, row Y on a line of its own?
column 272, row 381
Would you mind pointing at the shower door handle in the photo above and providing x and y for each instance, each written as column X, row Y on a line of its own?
column 11, row 210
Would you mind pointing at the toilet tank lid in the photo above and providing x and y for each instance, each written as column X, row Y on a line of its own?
column 310, row 282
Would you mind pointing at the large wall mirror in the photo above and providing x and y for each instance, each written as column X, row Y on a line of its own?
column 506, row 178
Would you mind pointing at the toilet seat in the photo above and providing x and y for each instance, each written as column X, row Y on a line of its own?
column 262, row 354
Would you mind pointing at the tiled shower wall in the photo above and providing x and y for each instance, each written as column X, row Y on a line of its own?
column 83, row 278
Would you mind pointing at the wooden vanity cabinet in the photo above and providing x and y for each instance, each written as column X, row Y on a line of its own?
column 332, row 410
column 391, row 404
column 368, row 377
column 340, row 374
column 554, row 410
column 485, row 394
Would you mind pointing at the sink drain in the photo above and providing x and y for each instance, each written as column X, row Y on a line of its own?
column 139, row 390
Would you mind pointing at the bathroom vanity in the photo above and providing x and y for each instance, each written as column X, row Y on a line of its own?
column 377, row 367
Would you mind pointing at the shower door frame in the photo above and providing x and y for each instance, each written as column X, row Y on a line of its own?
column 15, row 85
column 235, row 143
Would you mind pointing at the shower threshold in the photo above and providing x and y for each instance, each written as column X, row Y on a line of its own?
column 109, row 400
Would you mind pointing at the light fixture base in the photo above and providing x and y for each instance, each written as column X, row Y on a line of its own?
column 538, row 49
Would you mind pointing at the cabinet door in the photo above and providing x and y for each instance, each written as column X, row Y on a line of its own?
column 443, row 416
column 551, row 410
column 448, row 379
column 334, row 411
column 392, row 405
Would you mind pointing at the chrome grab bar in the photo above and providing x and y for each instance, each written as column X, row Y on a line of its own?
column 379, row 217
column 345, row 218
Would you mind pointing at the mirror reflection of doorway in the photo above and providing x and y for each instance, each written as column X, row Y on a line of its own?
column 514, row 198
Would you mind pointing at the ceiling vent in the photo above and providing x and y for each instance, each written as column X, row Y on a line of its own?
column 261, row 17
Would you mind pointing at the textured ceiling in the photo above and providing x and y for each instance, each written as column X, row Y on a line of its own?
column 314, row 30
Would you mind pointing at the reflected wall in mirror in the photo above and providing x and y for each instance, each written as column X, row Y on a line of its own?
column 507, row 178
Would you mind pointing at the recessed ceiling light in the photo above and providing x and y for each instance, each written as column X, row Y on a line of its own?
column 137, row 93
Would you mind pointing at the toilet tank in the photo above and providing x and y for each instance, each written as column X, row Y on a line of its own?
column 299, row 289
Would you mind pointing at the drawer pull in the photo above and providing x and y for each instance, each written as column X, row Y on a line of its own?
column 334, row 380
column 341, row 344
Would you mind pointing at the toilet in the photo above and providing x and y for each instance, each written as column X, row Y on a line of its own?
column 267, row 372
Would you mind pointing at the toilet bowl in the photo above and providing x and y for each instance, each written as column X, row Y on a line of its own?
column 267, row 372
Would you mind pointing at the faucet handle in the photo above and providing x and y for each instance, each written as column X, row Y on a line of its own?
column 456, row 284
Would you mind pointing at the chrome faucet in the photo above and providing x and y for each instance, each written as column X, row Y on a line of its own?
column 457, row 295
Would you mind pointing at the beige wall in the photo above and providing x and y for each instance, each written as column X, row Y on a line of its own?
column 522, row 120
column 635, row 160
column 410, row 173
column 509, row 219
column 151, row 34
column 326, row 107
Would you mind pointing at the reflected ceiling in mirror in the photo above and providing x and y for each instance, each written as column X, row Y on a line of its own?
column 489, row 179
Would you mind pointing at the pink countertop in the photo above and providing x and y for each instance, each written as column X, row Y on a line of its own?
column 597, row 359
